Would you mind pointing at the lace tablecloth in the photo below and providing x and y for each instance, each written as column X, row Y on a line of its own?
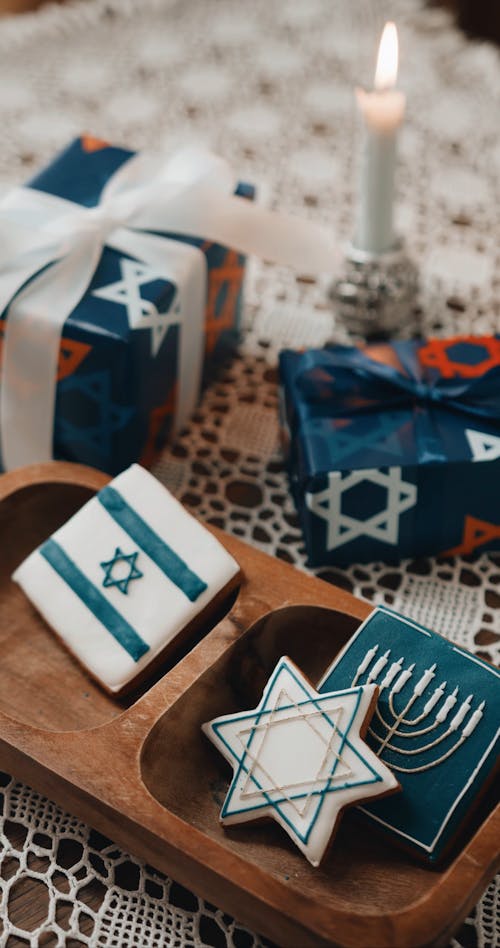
column 268, row 84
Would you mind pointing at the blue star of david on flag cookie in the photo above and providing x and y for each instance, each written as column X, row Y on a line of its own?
column 121, row 570
column 300, row 758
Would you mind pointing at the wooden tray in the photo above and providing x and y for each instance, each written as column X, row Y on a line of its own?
column 141, row 772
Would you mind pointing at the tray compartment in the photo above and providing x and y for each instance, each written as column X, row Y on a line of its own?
column 148, row 778
column 41, row 684
column 187, row 775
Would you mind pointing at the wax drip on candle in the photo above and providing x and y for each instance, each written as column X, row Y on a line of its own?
column 474, row 720
column 391, row 674
column 403, row 678
column 378, row 667
column 450, row 703
column 367, row 659
column 460, row 715
column 435, row 697
column 425, row 680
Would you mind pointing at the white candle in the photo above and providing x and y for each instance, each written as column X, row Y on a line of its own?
column 425, row 680
column 447, row 706
column 474, row 721
column 367, row 659
column 391, row 674
column 433, row 700
column 377, row 668
column 403, row 678
column 462, row 711
column 383, row 112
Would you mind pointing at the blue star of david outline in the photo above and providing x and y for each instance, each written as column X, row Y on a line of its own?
column 312, row 698
column 112, row 417
column 344, row 443
column 121, row 557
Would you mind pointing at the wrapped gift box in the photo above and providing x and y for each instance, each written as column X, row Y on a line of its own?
column 394, row 451
column 118, row 371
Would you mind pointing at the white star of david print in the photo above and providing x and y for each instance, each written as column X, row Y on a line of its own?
column 484, row 447
column 384, row 525
column 142, row 314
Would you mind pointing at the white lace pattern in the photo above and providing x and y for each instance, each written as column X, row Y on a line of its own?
column 269, row 85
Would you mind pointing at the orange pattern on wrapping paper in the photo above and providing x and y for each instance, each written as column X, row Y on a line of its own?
column 476, row 532
column 71, row 355
column 156, row 420
column 434, row 355
column 228, row 277
column 89, row 143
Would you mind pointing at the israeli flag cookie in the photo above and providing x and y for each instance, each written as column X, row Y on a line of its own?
column 125, row 577
column 435, row 725
column 300, row 758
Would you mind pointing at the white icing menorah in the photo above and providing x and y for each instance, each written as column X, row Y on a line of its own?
column 394, row 677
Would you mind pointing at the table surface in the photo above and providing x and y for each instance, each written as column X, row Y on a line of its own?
column 272, row 91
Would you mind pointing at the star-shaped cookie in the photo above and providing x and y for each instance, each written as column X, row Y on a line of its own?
column 299, row 758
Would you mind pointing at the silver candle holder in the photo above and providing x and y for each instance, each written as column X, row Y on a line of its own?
column 376, row 295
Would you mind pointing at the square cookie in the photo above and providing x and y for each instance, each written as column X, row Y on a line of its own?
column 435, row 726
column 125, row 577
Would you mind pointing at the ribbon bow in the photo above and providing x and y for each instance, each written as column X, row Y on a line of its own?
column 51, row 248
column 345, row 382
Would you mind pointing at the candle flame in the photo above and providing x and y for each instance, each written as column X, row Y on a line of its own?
column 386, row 72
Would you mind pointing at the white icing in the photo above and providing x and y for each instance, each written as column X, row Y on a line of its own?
column 155, row 607
column 358, row 632
column 441, row 716
column 392, row 729
column 391, row 674
column 292, row 762
column 424, row 681
column 447, row 706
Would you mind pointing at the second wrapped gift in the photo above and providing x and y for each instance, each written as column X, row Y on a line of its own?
column 394, row 451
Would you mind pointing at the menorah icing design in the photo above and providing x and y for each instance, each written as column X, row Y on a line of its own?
column 432, row 728
column 435, row 725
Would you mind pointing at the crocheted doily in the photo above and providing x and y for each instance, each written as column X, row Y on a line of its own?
column 269, row 85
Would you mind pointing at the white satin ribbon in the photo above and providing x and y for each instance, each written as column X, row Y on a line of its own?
column 191, row 194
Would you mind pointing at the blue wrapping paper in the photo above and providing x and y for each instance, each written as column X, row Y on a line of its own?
column 116, row 387
column 394, row 451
